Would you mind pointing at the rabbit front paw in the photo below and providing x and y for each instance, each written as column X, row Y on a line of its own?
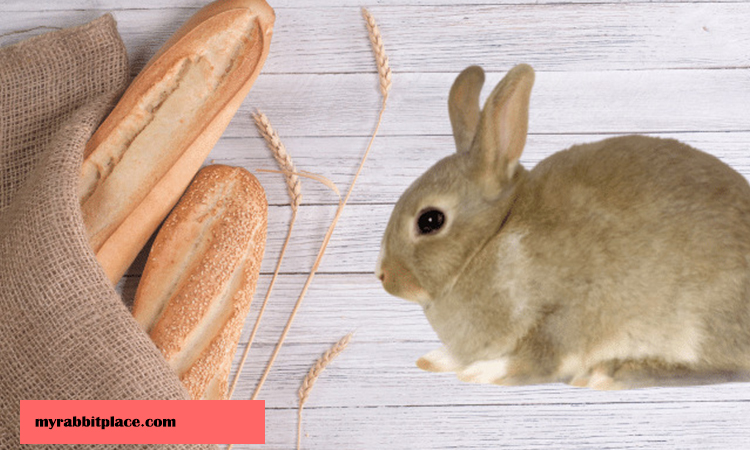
column 485, row 371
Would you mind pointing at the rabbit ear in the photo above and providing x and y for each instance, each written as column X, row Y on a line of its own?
column 501, row 135
column 463, row 106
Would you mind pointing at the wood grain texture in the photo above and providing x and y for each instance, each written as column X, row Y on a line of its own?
column 325, row 37
column 666, row 426
column 47, row 5
column 562, row 102
column 676, row 69
column 401, row 159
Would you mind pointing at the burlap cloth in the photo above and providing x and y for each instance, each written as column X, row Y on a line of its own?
column 64, row 331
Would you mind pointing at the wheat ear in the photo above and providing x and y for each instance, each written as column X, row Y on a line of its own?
column 282, row 157
column 381, row 58
column 294, row 189
column 312, row 377
column 384, row 73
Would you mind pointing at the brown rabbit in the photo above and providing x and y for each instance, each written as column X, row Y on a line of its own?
column 617, row 264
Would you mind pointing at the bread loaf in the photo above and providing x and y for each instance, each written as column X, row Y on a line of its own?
column 142, row 157
column 201, row 274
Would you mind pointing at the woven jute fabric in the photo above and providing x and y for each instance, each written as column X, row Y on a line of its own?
column 64, row 331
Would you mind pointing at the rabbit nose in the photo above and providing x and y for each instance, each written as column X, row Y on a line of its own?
column 379, row 272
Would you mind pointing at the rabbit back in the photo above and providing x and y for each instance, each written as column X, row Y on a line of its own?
column 632, row 248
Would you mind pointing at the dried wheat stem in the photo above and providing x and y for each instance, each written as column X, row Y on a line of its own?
column 263, row 305
column 312, row 376
column 384, row 73
column 294, row 188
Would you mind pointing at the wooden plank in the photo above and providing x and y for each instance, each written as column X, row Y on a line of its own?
column 55, row 5
column 562, row 102
column 663, row 426
column 401, row 159
column 449, row 37
column 558, row 37
column 353, row 248
column 378, row 375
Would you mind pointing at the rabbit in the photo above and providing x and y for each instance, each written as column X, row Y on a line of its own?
column 617, row 264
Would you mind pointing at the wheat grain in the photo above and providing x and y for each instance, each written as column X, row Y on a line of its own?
column 278, row 150
column 320, row 365
column 381, row 58
column 313, row 375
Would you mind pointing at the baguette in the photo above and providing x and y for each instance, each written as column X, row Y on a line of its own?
column 143, row 156
column 201, row 274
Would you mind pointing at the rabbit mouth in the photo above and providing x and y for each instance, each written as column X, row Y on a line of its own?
column 399, row 281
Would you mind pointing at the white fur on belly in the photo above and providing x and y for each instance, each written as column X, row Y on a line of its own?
column 514, row 267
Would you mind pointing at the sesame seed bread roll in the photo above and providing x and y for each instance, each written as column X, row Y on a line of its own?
column 143, row 156
column 201, row 275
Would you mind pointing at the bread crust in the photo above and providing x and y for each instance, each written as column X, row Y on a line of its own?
column 143, row 156
column 201, row 275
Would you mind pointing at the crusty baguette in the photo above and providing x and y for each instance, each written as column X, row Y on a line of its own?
column 143, row 156
column 201, row 274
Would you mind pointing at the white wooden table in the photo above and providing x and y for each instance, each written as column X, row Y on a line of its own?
column 679, row 69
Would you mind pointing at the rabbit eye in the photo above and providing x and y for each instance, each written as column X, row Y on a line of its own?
column 430, row 221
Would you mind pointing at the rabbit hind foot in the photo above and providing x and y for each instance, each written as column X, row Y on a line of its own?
column 599, row 379
column 637, row 373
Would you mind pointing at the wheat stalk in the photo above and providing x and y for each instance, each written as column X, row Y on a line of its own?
column 294, row 189
column 313, row 375
column 384, row 73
